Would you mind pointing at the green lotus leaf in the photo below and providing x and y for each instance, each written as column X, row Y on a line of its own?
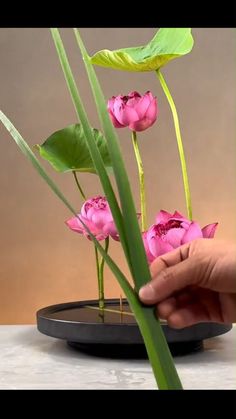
column 167, row 44
column 66, row 150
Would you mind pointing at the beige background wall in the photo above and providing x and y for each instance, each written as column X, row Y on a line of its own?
column 41, row 261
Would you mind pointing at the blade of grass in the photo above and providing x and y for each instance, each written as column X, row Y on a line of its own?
column 157, row 348
column 137, row 253
column 95, row 154
column 150, row 328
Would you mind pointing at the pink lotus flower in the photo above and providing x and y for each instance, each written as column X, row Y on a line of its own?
column 97, row 216
column 171, row 231
column 134, row 111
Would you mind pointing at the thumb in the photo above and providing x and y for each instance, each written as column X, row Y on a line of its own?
column 168, row 281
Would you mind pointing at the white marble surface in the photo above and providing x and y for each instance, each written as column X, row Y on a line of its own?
column 30, row 360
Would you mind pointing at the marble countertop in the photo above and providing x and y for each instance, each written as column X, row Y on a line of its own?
column 30, row 360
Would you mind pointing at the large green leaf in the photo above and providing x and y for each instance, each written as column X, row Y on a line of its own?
column 167, row 44
column 66, row 150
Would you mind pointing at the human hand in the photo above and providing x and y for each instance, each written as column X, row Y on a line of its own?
column 194, row 283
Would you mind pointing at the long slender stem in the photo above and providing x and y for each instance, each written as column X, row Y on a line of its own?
column 179, row 142
column 102, row 264
column 100, row 274
column 100, row 285
column 99, row 265
column 78, row 184
column 141, row 181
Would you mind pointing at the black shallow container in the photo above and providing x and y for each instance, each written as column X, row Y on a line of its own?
column 113, row 334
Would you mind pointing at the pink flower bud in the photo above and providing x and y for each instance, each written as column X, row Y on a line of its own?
column 97, row 216
column 134, row 111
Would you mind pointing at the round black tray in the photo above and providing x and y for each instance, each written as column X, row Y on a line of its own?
column 114, row 334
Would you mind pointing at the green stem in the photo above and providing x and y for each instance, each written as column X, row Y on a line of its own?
column 100, row 284
column 141, row 181
column 78, row 184
column 100, row 274
column 101, row 270
column 179, row 142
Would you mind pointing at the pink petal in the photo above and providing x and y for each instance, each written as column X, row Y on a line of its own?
column 110, row 108
column 101, row 218
column 208, row 231
column 141, row 125
column 127, row 115
column 159, row 247
column 150, row 95
column 123, row 113
column 110, row 104
column 95, row 231
column 89, row 213
column 152, row 111
column 185, row 224
column 194, row 232
column 99, row 237
column 75, row 225
column 150, row 257
column 174, row 236
column 163, row 217
column 134, row 94
column 142, row 106
column 83, row 210
column 114, row 120
column 156, row 244
column 178, row 216
column 133, row 99
column 132, row 102
column 110, row 230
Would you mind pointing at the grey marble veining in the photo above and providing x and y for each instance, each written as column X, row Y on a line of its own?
column 30, row 360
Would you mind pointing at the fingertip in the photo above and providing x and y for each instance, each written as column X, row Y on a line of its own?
column 147, row 294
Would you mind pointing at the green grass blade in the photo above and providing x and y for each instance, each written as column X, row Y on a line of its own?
column 137, row 253
column 161, row 361
column 157, row 348
column 96, row 157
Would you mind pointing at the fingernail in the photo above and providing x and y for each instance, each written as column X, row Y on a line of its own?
column 147, row 292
